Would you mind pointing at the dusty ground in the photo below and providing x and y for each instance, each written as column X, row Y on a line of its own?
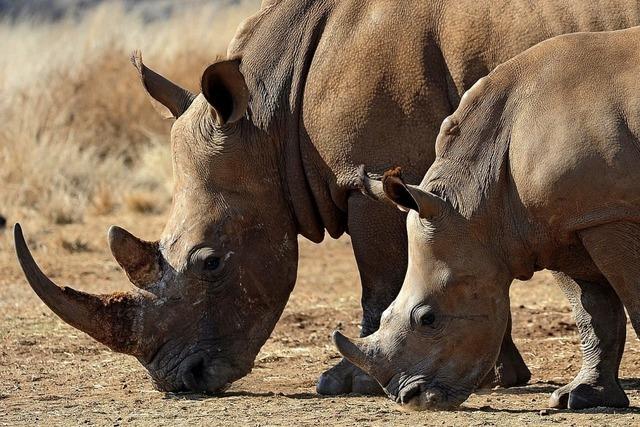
column 51, row 374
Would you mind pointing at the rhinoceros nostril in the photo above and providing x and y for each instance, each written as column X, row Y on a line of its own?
column 200, row 377
column 193, row 376
column 408, row 393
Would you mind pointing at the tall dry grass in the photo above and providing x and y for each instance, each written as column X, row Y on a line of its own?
column 78, row 135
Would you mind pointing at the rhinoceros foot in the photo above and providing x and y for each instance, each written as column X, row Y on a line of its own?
column 344, row 378
column 582, row 395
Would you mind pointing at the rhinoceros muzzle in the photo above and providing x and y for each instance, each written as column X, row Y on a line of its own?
column 421, row 393
column 412, row 389
column 199, row 368
column 195, row 373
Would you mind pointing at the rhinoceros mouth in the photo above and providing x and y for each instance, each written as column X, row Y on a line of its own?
column 193, row 370
column 196, row 374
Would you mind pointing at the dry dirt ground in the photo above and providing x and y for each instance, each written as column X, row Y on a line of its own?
column 51, row 374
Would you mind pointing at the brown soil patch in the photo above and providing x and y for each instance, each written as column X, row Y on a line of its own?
column 51, row 374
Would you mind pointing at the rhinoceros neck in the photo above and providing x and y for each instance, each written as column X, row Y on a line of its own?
column 472, row 171
column 277, row 46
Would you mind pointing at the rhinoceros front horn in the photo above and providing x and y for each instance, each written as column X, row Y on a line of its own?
column 109, row 319
column 361, row 352
column 138, row 258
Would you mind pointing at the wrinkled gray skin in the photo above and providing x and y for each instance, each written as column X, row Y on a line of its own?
column 271, row 149
column 537, row 168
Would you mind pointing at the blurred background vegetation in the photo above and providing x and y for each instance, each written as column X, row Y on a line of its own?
column 78, row 136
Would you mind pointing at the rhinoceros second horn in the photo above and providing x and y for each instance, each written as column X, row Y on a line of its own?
column 139, row 259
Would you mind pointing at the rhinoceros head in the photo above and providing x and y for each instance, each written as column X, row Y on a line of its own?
column 442, row 334
column 210, row 291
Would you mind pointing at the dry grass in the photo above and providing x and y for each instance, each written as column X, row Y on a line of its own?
column 78, row 135
column 75, row 245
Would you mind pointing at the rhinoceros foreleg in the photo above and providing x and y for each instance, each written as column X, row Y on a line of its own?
column 378, row 237
column 345, row 378
column 601, row 321
column 379, row 240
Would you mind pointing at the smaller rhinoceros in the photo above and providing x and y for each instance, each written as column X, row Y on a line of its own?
column 538, row 168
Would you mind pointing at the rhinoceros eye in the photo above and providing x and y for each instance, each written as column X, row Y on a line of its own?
column 424, row 316
column 206, row 263
column 211, row 263
column 428, row 319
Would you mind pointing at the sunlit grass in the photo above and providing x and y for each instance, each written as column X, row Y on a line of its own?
column 78, row 134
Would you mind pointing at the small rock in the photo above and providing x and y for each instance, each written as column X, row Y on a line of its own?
column 544, row 412
column 3, row 222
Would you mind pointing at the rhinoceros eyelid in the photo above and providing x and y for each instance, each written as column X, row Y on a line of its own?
column 197, row 248
column 198, row 254
column 420, row 311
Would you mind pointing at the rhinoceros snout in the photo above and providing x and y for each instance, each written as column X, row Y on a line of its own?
column 200, row 377
column 198, row 372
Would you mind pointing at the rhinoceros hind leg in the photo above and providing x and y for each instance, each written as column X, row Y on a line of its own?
column 344, row 378
column 615, row 249
column 601, row 322
column 510, row 369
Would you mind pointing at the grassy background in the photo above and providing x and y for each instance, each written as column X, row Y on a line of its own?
column 79, row 136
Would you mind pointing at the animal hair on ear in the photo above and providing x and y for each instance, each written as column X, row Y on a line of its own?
column 395, row 171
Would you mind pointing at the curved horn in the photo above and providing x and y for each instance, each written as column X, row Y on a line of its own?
column 365, row 354
column 352, row 351
column 107, row 318
column 139, row 259
column 167, row 93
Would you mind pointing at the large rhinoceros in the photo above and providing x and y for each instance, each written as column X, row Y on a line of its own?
column 538, row 168
column 271, row 149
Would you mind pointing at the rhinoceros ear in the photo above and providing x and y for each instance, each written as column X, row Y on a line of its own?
column 165, row 94
column 224, row 87
column 411, row 197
